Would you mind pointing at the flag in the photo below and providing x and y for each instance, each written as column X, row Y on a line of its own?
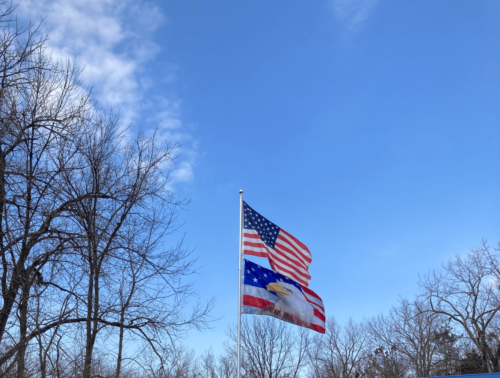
column 286, row 254
column 266, row 292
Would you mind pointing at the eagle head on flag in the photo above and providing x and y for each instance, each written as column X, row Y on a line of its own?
column 292, row 304
column 266, row 292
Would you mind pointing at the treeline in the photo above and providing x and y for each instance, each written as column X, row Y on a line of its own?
column 89, row 274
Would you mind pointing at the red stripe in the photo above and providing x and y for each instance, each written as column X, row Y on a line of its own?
column 319, row 315
column 306, row 260
column 258, row 254
column 312, row 293
column 253, row 236
column 317, row 328
column 250, row 300
column 299, row 243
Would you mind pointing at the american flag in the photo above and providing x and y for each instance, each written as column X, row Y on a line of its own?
column 286, row 254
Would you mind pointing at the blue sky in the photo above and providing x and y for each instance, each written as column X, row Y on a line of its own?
column 368, row 129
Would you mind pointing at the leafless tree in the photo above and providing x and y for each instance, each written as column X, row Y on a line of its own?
column 177, row 362
column 131, row 284
column 385, row 363
column 341, row 352
column 210, row 366
column 409, row 330
column 150, row 292
column 42, row 106
column 465, row 291
column 450, row 348
column 84, row 215
column 270, row 348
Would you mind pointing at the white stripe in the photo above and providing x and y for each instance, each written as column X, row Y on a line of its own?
column 319, row 322
column 252, row 232
column 292, row 242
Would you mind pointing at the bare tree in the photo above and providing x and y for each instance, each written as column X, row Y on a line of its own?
column 150, row 287
column 341, row 353
column 84, row 215
column 411, row 331
column 131, row 283
column 177, row 362
column 448, row 349
column 210, row 366
column 42, row 106
column 270, row 349
column 385, row 363
column 465, row 291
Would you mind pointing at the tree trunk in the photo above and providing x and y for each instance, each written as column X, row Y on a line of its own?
column 120, row 344
column 23, row 320
column 89, row 344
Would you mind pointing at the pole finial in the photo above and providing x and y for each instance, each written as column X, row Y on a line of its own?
column 241, row 191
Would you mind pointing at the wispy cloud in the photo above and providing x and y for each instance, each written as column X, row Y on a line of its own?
column 113, row 40
column 353, row 13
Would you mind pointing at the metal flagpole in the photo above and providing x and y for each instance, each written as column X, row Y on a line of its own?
column 239, row 282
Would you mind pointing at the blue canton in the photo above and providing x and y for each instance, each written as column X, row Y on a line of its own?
column 268, row 231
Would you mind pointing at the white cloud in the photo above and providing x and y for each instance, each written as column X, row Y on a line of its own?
column 183, row 174
column 113, row 40
column 109, row 38
column 352, row 13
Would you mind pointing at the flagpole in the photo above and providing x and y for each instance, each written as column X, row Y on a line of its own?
column 239, row 284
